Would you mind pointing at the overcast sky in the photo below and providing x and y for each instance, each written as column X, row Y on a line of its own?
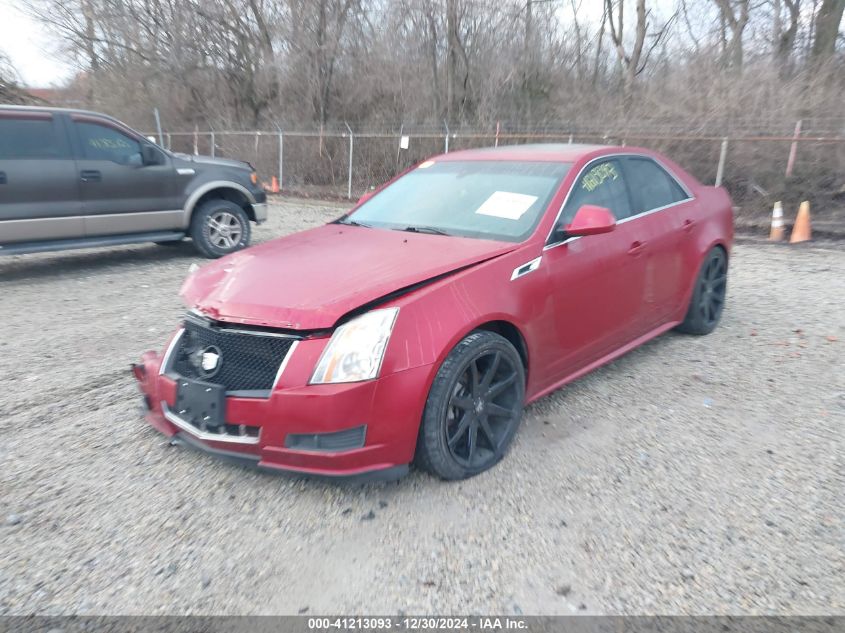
column 31, row 50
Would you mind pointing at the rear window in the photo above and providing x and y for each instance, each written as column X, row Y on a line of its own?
column 651, row 186
column 22, row 138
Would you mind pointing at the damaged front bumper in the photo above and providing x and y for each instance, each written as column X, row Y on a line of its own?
column 359, row 431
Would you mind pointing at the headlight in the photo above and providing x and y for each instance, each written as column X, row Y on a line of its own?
column 356, row 349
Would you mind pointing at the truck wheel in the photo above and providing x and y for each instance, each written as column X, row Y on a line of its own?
column 219, row 227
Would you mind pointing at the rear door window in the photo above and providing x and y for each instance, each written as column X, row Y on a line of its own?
column 651, row 186
column 101, row 142
column 29, row 137
column 602, row 185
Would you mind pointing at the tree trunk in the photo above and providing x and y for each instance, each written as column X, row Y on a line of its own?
column 451, row 58
column 431, row 24
column 827, row 29
column 785, row 39
column 91, row 52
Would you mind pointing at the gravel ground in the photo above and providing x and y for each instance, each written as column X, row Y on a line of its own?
column 694, row 475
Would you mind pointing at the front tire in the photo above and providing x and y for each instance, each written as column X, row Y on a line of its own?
column 219, row 227
column 708, row 296
column 473, row 409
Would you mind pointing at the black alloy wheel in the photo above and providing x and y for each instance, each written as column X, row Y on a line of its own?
column 474, row 407
column 708, row 297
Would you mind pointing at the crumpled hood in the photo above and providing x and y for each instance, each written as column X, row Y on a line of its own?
column 309, row 280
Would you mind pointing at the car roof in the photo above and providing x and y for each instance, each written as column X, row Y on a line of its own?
column 554, row 152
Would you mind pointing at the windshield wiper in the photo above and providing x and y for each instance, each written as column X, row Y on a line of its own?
column 349, row 222
column 424, row 229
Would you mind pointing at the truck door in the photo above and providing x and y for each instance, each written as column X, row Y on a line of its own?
column 39, row 193
column 121, row 194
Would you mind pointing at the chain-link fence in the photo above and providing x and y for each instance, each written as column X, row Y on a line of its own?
column 343, row 163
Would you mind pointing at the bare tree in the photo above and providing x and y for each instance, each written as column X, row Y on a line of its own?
column 631, row 59
column 10, row 90
column 735, row 15
column 250, row 63
column 828, row 19
column 784, row 38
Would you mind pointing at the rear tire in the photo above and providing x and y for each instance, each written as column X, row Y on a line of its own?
column 473, row 409
column 708, row 296
column 219, row 227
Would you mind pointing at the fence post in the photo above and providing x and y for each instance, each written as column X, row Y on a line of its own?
column 281, row 156
column 446, row 138
column 196, row 139
column 570, row 138
column 496, row 144
column 351, row 147
column 723, row 153
column 169, row 141
column 213, row 143
column 793, row 150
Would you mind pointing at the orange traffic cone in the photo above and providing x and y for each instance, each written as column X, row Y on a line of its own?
column 802, row 231
column 776, row 234
column 274, row 185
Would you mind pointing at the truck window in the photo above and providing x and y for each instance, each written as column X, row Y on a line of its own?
column 29, row 137
column 101, row 142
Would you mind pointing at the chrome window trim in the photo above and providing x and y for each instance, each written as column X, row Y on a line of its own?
column 165, row 362
column 284, row 364
column 671, row 174
column 204, row 435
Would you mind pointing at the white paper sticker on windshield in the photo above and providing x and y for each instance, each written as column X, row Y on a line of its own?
column 507, row 205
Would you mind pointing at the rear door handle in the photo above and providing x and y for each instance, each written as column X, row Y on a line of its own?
column 688, row 225
column 2, row 177
column 91, row 175
column 636, row 248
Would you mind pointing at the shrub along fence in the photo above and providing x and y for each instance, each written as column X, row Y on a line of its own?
column 756, row 169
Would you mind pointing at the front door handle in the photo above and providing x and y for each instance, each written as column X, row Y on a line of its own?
column 91, row 175
column 636, row 248
column 688, row 225
column 2, row 177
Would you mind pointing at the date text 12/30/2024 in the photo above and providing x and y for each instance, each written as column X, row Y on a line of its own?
column 480, row 623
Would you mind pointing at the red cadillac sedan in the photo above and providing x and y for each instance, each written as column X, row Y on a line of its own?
column 415, row 328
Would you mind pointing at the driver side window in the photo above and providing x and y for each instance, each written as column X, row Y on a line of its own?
column 100, row 142
column 601, row 185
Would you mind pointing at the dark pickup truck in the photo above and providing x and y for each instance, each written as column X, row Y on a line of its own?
column 76, row 179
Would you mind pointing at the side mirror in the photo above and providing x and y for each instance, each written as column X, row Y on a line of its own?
column 150, row 155
column 366, row 196
column 590, row 220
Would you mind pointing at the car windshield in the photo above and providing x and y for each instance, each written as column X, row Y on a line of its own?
column 499, row 200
